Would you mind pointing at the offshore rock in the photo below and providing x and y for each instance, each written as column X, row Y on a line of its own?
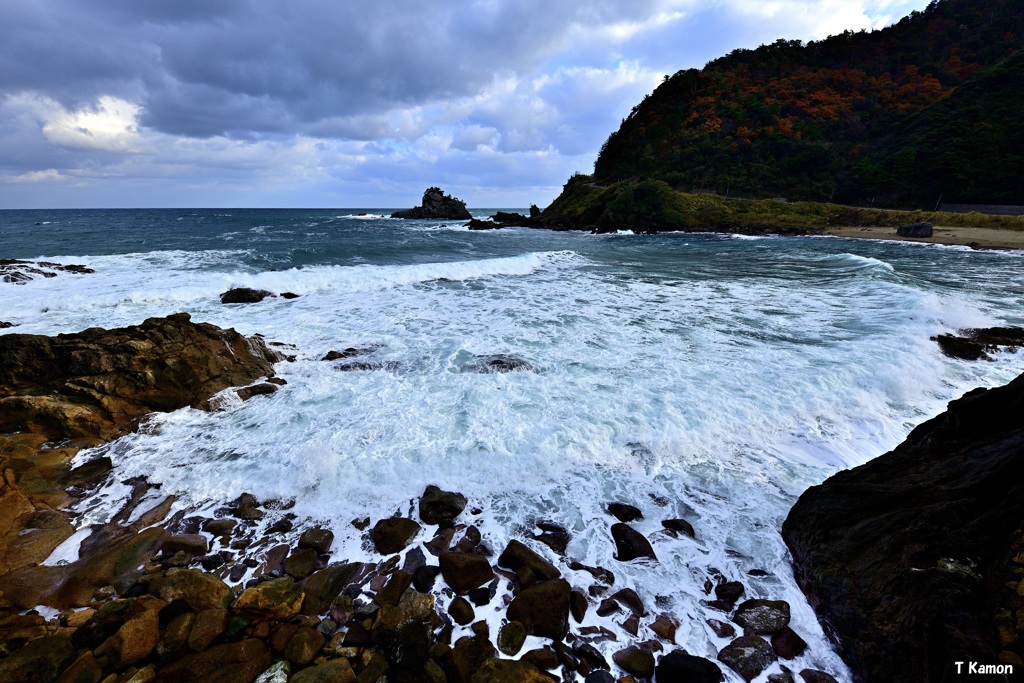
column 393, row 534
column 910, row 557
column 436, row 204
column 438, row 506
column 630, row 543
column 543, row 609
column 244, row 295
column 517, row 555
column 100, row 383
column 977, row 343
column 762, row 616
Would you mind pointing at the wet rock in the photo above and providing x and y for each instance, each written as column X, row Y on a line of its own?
column 762, row 616
column 220, row 527
column 543, row 609
column 242, row 662
column 303, row 646
column 730, row 591
column 608, row 607
column 393, row 534
column 333, row 671
column 199, row 590
column 441, row 541
column 678, row 666
column 977, row 344
column 392, row 592
column 324, row 586
column 275, row 599
column 785, row 677
column 914, row 230
column 788, row 644
column 624, row 512
column 301, row 563
column 246, row 507
column 496, row 363
column 39, row 661
column 748, row 656
column 590, row 655
column 464, row 572
column 244, row 295
column 628, row 598
column 542, row 658
column 90, row 473
column 193, row 544
column 350, row 352
column 815, row 676
column 517, row 555
column 317, row 539
column 511, row 638
column 134, row 641
column 599, row 676
column 209, row 625
column 553, row 536
column 578, row 604
column 469, row 541
column 423, row 578
column 461, row 611
column 480, row 596
column 630, row 544
column 665, row 627
column 261, row 389
column 635, row 661
column 85, row 669
column 600, row 573
column 679, row 526
column 509, row 671
column 436, row 204
column 437, row 506
column 721, row 628
column 414, row 559
column 466, row 658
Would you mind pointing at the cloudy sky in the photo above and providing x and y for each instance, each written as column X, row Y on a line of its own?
column 347, row 103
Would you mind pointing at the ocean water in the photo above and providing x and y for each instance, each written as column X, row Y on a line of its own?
column 702, row 376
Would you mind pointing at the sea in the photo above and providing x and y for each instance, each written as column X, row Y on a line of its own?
column 708, row 377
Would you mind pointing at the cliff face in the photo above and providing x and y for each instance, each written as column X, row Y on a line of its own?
column 915, row 560
column 98, row 383
column 893, row 118
column 436, row 204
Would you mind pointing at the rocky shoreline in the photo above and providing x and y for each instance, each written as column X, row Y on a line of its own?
column 247, row 593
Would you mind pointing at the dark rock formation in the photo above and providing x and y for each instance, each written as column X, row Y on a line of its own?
column 914, row 230
column 517, row 555
column 630, row 544
column 392, row 535
column 624, row 512
column 244, row 295
column 436, row 204
column 975, row 344
column 437, row 506
column 496, row 363
column 18, row 272
column 914, row 560
column 748, row 656
column 762, row 616
column 678, row 526
column 99, row 383
column 505, row 219
column 682, row 666
column 543, row 609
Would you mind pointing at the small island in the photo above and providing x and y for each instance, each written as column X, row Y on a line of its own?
column 436, row 204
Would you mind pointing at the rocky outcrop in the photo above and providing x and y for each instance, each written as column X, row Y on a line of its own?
column 915, row 560
column 18, row 271
column 100, row 383
column 436, row 204
column 978, row 343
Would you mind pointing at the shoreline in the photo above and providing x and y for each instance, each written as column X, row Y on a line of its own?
column 975, row 238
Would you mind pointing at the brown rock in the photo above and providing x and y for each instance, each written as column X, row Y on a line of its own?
column 392, row 592
column 276, row 599
column 509, row 671
column 721, row 628
column 175, row 637
column 303, row 646
column 239, row 662
column 543, row 609
column 679, row 526
column 333, row 671
column 665, row 627
column 39, row 661
column 134, row 641
column 438, row 506
column 461, row 611
column 578, row 604
column 624, row 512
column 466, row 658
column 518, row 555
column 787, row 644
column 511, row 638
column 301, row 563
column 635, row 661
column 815, row 676
column 200, row 590
column 630, row 544
column 542, row 658
column 84, row 670
column 209, row 625
column 762, row 616
column 748, row 656
column 324, row 586
column 392, row 535
column 193, row 544
column 464, row 572
column 317, row 539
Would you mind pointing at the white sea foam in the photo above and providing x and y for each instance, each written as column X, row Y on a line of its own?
column 713, row 388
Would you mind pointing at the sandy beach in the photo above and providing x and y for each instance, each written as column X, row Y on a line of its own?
column 980, row 238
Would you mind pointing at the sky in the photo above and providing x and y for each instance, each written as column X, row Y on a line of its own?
column 348, row 103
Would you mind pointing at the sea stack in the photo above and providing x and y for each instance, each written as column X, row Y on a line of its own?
column 436, row 204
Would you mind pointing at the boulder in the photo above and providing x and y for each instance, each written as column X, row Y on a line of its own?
column 905, row 556
column 463, row 572
column 275, row 599
column 317, row 539
column 393, row 534
column 438, row 506
column 333, row 671
column 509, row 671
column 978, row 343
column 624, row 512
column 730, row 591
column 198, row 589
column 38, row 661
column 99, row 383
column 914, row 230
column 303, row 646
column 511, row 638
column 630, row 544
column 788, row 644
column 461, row 611
column 322, row 587
column 496, row 363
column 762, row 616
column 635, row 661
column 679, row 526
column 678, row 666
column 239, row 662
column 543, row 609
column 748, row 656
column 517, row 555
column 467, row 656
column 244, row 295
column 261, row 389
column 436, row 204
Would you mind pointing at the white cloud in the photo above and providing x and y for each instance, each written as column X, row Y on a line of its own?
column 110, row 125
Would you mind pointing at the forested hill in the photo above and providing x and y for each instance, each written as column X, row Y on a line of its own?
column 931, row 106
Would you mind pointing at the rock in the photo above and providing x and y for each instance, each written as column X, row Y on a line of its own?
column 19, row 272
column 391, row 593
column 903, row 555
column 38, row 661
column 748, row 656
column 590, row 655
column 208, row 626
column 518, row 555
column 914, row 230
column 977, row 343
column 730, row 591
column 220, row 527
column 437, row 506
column 193, row 544
column 509, row 671
column 664, row 627
column 239, row 662
column 553, row 536
column 303, row 646
column 461, row 611
column 599, row 676
column 628, row 598
column 134, row 641
column 630, row 544
column 244, row 295
column 543, row 609
column 477, row 224
column 679, row 526
column 436, row 204
column 275, row 599
column 678, row 666
column 787, row 644
column 466, row 658
column 99, row 383
column 317, row 539
column 722, row 629
column 496, row 363
column 333, row 671
column 511, row 638
column 480, row 596
column 393, row 534
column 301, row 563
column 324, row 586
column 464, row 572
column 762, row 616
column 85, row 669
column 423, row 578
column 635, row 661
column 246, row 507
column 542, row 658
column 278, row 673
column 199, row 590
column 624, row 512
column 815, row 676
column 578, row 604
column 261, row 389
column 784, row 677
